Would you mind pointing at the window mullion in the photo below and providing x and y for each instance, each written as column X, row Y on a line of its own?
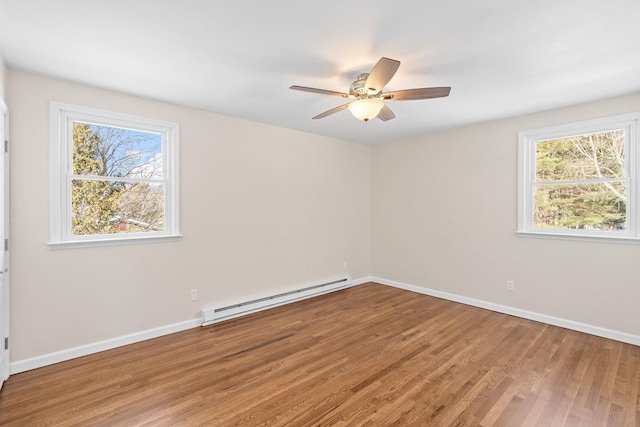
column 119, row 178
column 580, row 181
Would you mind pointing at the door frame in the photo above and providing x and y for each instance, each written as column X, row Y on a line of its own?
column 4, row 310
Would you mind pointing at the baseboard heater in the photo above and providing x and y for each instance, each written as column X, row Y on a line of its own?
column 215, row 315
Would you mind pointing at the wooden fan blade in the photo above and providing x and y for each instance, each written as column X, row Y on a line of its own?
column 386, row 114
column 412, row 94
column 319, row 91
column 381, row 74
column 332, row 111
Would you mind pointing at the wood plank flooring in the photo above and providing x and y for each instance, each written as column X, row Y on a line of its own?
column 371, row 355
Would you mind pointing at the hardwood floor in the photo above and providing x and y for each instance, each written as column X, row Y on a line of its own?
column 371, row 355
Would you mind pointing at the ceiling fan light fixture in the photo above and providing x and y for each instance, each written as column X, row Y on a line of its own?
column 366, row 109
column 368, row 96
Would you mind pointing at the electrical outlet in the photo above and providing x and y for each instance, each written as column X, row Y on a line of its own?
column 194, row 294
column 344, row 265
column 511, row 285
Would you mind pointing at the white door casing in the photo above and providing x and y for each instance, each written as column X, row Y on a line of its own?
column 4, row 252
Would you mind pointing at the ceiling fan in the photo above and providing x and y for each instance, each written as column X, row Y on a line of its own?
column 368, row 98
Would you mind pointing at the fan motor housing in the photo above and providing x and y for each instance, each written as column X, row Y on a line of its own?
column 357, row 88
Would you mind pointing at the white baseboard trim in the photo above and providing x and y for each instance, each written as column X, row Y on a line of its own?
column 543, row 318
column 361, row 281
column 84, row 350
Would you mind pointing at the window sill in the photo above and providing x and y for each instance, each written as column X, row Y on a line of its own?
column 129, row 240
column 583, row 238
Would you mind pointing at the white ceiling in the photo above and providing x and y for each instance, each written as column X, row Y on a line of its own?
column 501, row 57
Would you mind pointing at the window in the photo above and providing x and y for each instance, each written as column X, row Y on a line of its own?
column 114, row 178
column 580, row 180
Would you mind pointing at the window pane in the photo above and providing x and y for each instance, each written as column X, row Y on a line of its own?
column 116, row 152
column 110, row 207
column 590, row 156
column 599, row 206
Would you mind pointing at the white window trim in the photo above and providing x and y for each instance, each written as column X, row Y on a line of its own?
column 62, row 116
column 526, row 177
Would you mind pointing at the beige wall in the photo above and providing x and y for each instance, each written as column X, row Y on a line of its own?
column 267, row 209
column 263, row 209
column 444, row 218
column 4, row 79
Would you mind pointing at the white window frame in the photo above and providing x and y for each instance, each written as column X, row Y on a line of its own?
column 527, row 174
column 62, row 116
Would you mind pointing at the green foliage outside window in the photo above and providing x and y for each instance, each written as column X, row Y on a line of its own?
column 581, row 182
column 101, row 201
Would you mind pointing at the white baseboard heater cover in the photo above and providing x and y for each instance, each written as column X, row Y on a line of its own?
column 219, row 314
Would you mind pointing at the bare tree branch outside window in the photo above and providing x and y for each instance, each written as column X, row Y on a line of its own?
column 596, row 197
column 118, row 182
